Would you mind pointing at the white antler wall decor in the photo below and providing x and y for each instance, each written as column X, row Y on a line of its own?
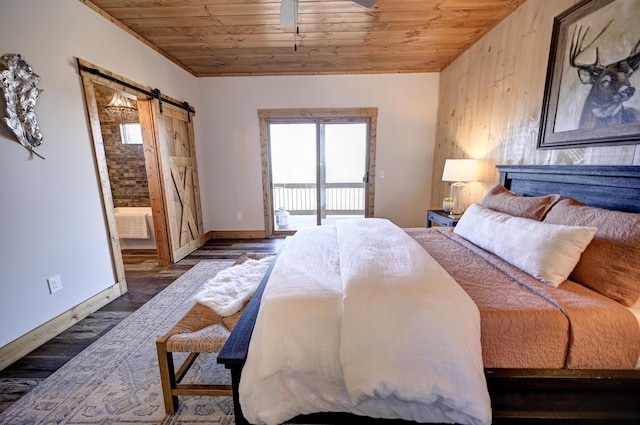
column 20, row 87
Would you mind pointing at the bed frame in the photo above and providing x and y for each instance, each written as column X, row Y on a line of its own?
column 518, row 396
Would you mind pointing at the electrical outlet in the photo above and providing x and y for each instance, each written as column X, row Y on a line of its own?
column 55, row 284
column 238, row 217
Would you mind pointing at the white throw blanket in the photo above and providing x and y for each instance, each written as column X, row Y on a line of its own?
column 226, row 292
column 359, row 318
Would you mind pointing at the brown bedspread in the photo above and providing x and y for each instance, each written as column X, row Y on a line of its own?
column 527, row 324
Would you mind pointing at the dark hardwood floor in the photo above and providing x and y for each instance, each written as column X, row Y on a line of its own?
column 145, row 278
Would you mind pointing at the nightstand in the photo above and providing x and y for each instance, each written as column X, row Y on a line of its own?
column 440, row 218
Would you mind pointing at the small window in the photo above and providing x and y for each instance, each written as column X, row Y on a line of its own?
column 131, row 133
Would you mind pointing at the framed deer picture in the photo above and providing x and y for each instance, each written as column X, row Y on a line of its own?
column 590, row 94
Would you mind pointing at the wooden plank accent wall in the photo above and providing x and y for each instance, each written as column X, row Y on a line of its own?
column 491, row 99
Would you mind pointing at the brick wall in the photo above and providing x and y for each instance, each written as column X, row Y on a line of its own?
column 125, row 163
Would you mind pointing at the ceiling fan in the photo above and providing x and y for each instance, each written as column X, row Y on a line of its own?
column 365, row 3
column 289, row 12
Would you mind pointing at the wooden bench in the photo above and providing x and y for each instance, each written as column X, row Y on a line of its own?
column 200, row 330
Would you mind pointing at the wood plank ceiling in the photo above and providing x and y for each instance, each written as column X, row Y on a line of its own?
column 243, row 37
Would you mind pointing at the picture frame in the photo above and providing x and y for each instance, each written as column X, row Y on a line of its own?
column 592, row 95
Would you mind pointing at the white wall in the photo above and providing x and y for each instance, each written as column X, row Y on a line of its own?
column 229, row 155
column 51, row 219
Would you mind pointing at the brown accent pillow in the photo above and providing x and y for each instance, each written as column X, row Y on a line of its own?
column 500, row 199
column 611, row 263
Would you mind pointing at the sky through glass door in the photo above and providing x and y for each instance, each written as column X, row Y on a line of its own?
column 317, row 171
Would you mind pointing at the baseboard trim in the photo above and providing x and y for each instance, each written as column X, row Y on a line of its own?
column 22, row 346
column 237, row 234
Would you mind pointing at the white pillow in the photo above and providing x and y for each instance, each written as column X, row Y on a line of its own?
column 548, row 252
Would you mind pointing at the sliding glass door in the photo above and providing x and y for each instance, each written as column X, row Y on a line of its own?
column 343, row 170
column 318, row 171
column 293, row 165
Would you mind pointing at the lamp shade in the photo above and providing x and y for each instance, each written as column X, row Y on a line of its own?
column 460, row 170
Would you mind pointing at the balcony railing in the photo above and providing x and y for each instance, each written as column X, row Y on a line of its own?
column 301, row 198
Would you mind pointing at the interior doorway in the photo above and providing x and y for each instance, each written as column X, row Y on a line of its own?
column 124, row 153
column 169, row 162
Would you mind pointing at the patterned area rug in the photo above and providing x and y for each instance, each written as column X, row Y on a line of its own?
column 116, row 379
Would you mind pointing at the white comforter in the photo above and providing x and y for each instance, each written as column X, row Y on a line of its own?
column 359, row 318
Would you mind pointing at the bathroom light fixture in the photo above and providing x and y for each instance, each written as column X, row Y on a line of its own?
column 120, row 107
column 459, row 171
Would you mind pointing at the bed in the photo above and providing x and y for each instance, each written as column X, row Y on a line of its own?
column 566, row 389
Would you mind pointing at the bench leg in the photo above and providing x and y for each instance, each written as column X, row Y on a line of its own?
column 167, row 377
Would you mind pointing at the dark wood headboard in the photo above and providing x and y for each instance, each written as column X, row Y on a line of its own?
column 610, row 187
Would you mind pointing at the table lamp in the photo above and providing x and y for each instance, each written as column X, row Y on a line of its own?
column 459, row 171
